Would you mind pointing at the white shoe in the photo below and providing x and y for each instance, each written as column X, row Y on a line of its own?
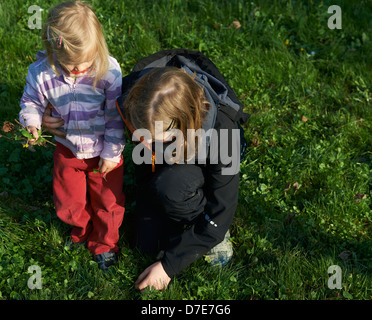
column 222, row 253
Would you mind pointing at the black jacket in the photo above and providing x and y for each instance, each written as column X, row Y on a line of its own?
column 221, row 190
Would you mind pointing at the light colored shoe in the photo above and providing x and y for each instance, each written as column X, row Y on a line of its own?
column 222, row 253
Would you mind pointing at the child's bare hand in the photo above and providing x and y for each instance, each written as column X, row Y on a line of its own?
column 33, row 131
column 105, row 166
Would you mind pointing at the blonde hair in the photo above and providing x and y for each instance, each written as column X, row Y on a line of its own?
column 73, row 35
column 170, row 95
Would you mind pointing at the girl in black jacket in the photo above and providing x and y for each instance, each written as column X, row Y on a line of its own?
column 185, row 201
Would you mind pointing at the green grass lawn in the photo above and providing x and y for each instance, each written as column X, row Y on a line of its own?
column 305, row 189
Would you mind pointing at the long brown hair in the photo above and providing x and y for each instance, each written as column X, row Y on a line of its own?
column 170, row 95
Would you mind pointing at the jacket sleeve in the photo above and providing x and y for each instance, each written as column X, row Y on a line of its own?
column 114, row 140
column 221, row 191
column 33, row 102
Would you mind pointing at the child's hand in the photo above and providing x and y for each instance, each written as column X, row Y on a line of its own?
column 105, row 166
column 33, row 131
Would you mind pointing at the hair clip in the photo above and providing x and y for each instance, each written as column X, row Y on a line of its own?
column 48, row 37
column 170, row 125
column 59, row 40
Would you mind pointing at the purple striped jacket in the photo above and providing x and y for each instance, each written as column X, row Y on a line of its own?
column 93, row 125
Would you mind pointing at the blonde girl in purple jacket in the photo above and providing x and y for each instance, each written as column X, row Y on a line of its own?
column 78, row 77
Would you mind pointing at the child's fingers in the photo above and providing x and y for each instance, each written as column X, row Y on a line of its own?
column 105, row 166
column 33, row 131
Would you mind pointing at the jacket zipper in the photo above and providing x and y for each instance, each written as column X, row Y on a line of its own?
column 76, row 119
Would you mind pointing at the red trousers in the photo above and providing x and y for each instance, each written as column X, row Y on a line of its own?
column 92, row 204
